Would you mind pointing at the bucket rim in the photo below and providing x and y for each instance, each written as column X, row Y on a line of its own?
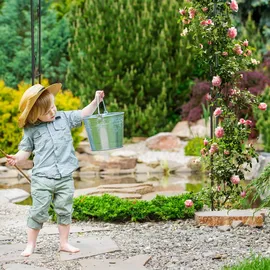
column 103, row 115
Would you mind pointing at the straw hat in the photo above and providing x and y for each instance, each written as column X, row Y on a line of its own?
column 31, row 95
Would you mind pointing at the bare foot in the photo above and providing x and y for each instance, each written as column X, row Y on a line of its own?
column 69, row 248
column 28, row 251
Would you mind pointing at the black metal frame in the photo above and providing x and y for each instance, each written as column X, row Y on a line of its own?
column 36, row 72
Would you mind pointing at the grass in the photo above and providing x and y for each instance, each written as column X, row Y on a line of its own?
column 252, row 263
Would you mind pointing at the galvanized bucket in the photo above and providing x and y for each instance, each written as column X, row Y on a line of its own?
column 105, row 131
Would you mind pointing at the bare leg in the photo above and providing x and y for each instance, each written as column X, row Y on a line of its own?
column 63, row 234
column 31, row 242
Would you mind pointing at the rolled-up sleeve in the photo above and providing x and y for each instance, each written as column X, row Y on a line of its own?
column 74, row 118
column 26, row 143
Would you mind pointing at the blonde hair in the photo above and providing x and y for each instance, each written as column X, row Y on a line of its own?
column 41, row 106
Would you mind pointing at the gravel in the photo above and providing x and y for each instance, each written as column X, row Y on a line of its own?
column 173, row 245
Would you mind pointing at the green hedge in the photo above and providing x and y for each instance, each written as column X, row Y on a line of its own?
column 111, row 209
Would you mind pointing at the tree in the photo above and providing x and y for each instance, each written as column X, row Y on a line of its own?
column 15, row 43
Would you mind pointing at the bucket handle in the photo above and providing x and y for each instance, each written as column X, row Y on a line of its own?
column 105, row 111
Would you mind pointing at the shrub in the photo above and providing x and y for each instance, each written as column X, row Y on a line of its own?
column 194, row 146
column 110, row 208
column 131, row 50
column 10, row 133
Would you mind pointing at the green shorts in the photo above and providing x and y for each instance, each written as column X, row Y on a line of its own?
column 46, row 190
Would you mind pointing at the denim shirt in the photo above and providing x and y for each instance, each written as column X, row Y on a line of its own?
column 52, row 145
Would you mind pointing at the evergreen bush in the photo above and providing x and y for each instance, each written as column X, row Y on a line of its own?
column 10, row 133
column 194, row 146
column 110, row 208
column 132, row 50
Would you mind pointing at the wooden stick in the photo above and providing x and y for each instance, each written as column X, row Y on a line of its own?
column 6, row 155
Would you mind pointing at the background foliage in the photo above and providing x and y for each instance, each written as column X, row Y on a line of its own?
column 10, row 133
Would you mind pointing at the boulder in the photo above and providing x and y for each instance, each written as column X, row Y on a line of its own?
column 182, row 130
column 164, row 141
column 14, row 195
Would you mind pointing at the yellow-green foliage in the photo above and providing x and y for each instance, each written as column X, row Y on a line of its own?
column 194, row 147
column 10, row 133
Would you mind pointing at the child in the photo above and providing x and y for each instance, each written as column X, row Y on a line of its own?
column 47, row 133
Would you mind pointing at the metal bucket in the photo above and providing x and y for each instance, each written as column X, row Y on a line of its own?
column 105, row 131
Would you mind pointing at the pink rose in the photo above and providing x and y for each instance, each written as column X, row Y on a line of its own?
column 262, row 106
column 218, row 188
column 188, row 203
column 245, row 43
column 225, row 54
column 191, row 12
column 213, row 148
column 243, row 194
column 248, row 122
column 204, row 9
column 216, row 81
column 186, row 21
column 237, row 49
column 232, row 92
column 248, row 52
column 203, row 23
column 209, row 21
column 226, row 152
column 217, row 112
column 235, row 179
column 219, row 132
column 209, row 42
column 232, row 32
column 201, row 46
column 234, row 6
column 182, row 11
column 208, row 97
column 205, row 142
column 203, row 152
column 242, row 121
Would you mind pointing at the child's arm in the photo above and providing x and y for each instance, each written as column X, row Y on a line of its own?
column 19, row 156
column 89, row 109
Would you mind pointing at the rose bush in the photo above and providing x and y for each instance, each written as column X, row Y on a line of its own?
column 215, row 44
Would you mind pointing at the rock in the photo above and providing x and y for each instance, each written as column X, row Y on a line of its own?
column 10, row 173
column 225, row 217
column 138, row 139
column 224, row 228
column 14, row 195
column 3, row 169
column 84, row 147
column 182, row 130
column 123, row 153
column 164, row 141
column 236, row 223
column 194, row 164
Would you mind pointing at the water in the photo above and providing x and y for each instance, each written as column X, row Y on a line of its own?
column 177, row 183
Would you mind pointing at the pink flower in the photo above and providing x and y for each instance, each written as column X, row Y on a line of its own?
column 203, row 152
column 208, row 97
column 213, row 148
column 242, row 121
column 245, row 43
column 225, row 54
column 226, row 152
column 205, row 142
column 262, row 106
column 201, row 46
column 237, row 49
column 188, row 203
column 218, row 188
column 243, row 194
column 248, row 52
column 182, row 11
column 216, row 81
column 219, row 132
column 248, row 122
column 241, row 76
column 235, row 179
column 234, row 6
column 186, row 21
column 191, row 12
column 209, row 21
column 203, row 23
column 232, row 92
column 232, row 32
column 209, row 42
column 217, row 112
column 204, row 9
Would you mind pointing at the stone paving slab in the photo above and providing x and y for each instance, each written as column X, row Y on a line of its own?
column 5, row 238
column 12, row 252
column 90, row 246
column 73, row 229
column 16, row 266
column 220, row 218
column 133, row 263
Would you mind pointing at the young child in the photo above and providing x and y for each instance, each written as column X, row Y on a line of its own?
column 47, row 134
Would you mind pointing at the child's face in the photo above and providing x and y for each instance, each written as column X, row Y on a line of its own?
column 49, row 116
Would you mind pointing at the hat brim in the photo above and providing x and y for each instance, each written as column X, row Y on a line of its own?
column 53, row 89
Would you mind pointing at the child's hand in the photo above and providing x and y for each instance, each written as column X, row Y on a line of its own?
column 12, row 160
column 99, row 95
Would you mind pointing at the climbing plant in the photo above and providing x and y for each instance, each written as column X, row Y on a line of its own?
column 226, row 154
